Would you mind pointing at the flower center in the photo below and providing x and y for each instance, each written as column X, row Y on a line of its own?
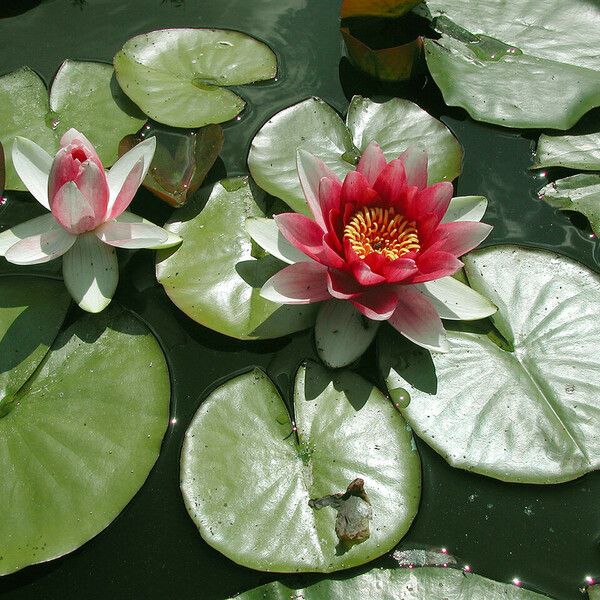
column 381, row 230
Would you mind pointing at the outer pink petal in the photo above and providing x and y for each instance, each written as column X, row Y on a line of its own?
column 130, row 187
column 417, row 319
column 300, row 283
column 330, row 191
column 131, row 235
column 40, row 248
column 342, row 285
column 433, row 201
column 310, row 171
column 307, row 236
column 415, row 167
column 357, row 191
column 378, row 303
column 461, row 236
column 434, row 264
column 72, row 209
column 371, row 163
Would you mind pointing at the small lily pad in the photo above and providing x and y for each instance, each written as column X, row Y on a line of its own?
column 78, row 439
column 84, row 95
column 315, row 127
column 181, row 160
column 516, row 63
column 573, row 151
column 423, row 583
column 247, row 481
column 214, row 276
column 519, row 403
column 180, row 77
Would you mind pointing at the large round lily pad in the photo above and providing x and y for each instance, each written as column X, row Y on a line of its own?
column 315, row 127
column 84, row 95
column 425, row 583
column 517, row 64
column 520, row 403
column 78, row 439
column 179, row 76
column 214, row 276
column 247, row 481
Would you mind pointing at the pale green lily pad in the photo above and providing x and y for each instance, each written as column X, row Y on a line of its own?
column 32, row 310
column 214, row 276
column 84, row 95
column 423, row 583
column 524, row 409
column 247, row 482
column 179, row 76
column 580, row 193
column 593, row 592
column 315, row 127
column 516, row 63
column 80, row 437
column 572, row 151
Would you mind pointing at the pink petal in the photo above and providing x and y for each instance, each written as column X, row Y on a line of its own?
column 417, row 319
column 300, row 283
column 72, row 210
column 330, row 191
column 433, row 201
column 460, row 237
column 357, row 191
column 391, row 185
column 378, row 303
column 364, row 275
column 307, row 236
column 415, row 167
column 311, row 170
column 131, row 235
column 130, row 187
column 371, row 163
column 40, row 248
column 434, row 264
column 75, row 139
column 399, row 269
column 342, row 285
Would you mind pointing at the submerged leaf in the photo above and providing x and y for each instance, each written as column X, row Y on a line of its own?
column 516, row 63
column 179, row 76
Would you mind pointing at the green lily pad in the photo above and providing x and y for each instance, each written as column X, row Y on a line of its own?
column 593, row 592
column 179, row 76
column 79, row 437
column 315, row 127
column 247, row 481
column 520, row 404
column 572, row 151
column 516, row 63
column 32, row 310
column 579, row 193
column 215, row 278
column 84, row 95
column 423, row 583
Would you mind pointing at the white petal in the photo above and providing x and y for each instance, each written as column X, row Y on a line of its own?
column 27, row 229
column 465, row 208
column 300, row 283
column 32, row 163
column 172, row 239
column 40, row 248
column 416, row 319
column 91, row 272
column 267, row 235
column 455, row 300
column 131, row 235
column 118, row 173
column 342, row 334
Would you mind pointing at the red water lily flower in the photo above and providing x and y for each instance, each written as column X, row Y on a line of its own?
column 381, row 239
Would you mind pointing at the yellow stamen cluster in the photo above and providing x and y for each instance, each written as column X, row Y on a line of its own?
column 381, row 230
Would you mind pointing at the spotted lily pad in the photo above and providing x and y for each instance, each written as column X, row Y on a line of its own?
column 84, row 95
column 315, row 127
column 521, row 402
column 180, row 77
column 216, row 274
column 516, row 63
column 78, row 438
column 573, row 151
column 423, row 583
column 248, row 482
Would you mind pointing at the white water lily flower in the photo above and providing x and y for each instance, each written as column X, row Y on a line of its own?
column 87, row 218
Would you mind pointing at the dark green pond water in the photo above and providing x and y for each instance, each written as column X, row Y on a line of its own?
column 547, row 536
